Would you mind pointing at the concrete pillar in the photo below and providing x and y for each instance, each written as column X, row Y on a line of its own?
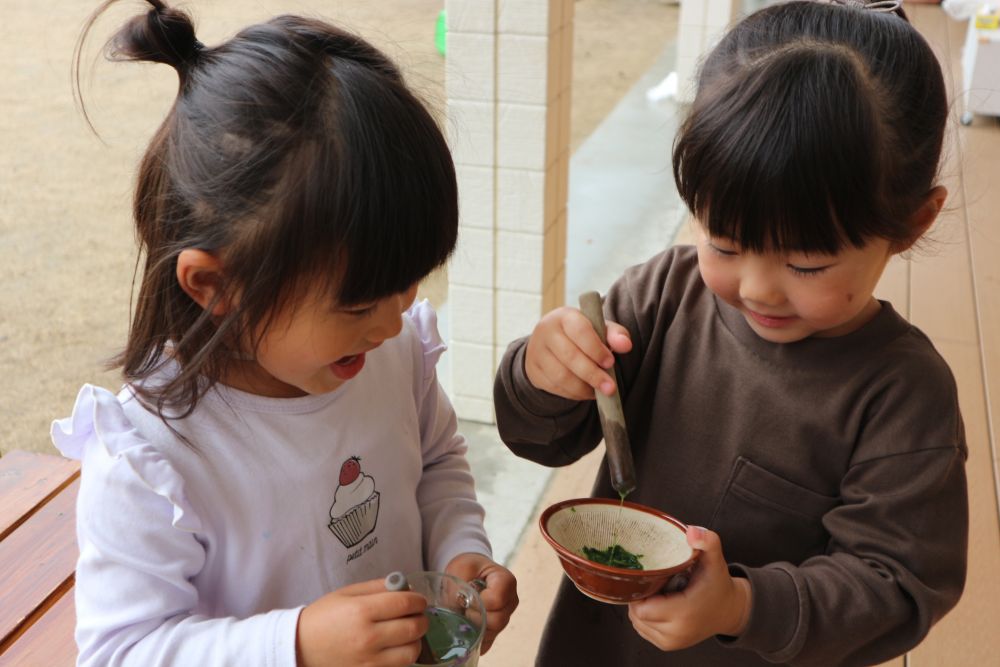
column 508, row 104
column 700, row 25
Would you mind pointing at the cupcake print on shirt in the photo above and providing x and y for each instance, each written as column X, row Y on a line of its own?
column 355, row 504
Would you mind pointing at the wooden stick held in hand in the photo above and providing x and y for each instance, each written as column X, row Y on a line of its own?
column 609, row 408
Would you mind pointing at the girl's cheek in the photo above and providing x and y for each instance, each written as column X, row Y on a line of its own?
column 719, row 281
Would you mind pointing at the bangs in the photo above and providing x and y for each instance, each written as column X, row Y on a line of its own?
column 403, row 218
column 783, row 155
column 372, row 204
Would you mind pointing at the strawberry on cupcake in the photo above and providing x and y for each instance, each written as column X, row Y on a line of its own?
column 355, row 504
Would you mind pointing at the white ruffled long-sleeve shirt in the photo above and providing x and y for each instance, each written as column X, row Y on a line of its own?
column 205, row 555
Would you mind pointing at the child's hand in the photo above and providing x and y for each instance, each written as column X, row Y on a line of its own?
column 566, row 357
column 714, row 603
column 499, row 596
column 362, row 625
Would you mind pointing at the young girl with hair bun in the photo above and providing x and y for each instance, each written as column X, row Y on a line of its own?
column 281, row 443
column 807, row 432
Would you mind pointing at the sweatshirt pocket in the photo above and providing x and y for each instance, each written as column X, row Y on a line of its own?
column 763, row 517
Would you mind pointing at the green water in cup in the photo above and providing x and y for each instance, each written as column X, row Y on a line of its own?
column 457, row 618
column 452, row 637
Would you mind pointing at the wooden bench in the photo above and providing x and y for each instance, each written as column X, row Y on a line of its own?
column 38, row 553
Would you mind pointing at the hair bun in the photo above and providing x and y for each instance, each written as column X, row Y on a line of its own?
column 162, row 35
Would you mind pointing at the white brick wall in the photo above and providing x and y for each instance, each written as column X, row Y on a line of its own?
column 521, row 200
column 471, row 310
column 472, row 263
column 523, row 72
column 469, row 66
column 521, row 311
column 471, row 130
column 520, row 262
column 700, row 25
column 508, row 87
column 474, row 370
column 471, row 16
column 475, row 203
column 528, row 17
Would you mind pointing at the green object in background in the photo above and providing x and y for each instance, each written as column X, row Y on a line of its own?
column 441, row 33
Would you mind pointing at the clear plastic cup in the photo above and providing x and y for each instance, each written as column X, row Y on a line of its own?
column 457, row 616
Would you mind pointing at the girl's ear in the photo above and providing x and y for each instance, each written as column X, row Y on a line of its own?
column 924, row 217
column 200, row 276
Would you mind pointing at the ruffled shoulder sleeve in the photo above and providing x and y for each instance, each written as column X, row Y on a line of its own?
column 425, row 325
column 101, row 436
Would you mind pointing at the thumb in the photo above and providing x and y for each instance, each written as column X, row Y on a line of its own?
column 618, row 337
column 708, row 542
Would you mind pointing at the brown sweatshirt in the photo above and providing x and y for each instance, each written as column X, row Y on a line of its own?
column 832, row 468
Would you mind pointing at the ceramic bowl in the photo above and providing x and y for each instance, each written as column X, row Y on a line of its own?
column 598, row 523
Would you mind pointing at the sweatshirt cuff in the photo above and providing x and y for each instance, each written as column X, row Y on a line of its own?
column 536, row 402
column 777, row 614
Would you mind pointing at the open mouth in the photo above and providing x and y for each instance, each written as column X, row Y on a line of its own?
column 347, row 367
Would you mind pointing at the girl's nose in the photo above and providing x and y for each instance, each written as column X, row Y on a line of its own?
column 389, row 317
column 759, row 285
column 388, row 321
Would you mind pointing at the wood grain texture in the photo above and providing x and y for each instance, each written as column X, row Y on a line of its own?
column 953, row 301
column 37, row 560
column 49, row 641
column 27, row 481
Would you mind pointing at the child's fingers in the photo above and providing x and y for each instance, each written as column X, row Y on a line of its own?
column 619, row 339
column 401, row 631
column 704, row 539
column 548, row 371
column 498, row 613
column 582, row 365
column 578, row 329
column 500, row 596
column 655, row 636
column 396, row 605
column 656, row 609
column 662, row 621
column 363, row 588
column 647, row 633
column 648, row 618
column 401, row 656
column 711, row 559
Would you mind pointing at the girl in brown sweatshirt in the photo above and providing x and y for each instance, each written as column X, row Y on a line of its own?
column 770, row 398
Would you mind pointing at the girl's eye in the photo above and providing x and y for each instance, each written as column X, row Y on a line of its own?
column 807, row 271
column 722, row 251
column 361, row 312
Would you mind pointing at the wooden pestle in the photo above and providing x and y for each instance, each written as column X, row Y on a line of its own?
column 609, row 408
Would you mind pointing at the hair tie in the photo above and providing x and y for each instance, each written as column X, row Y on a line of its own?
column 878, row 6
column 174, row 37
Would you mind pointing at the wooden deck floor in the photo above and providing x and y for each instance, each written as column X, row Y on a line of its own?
column 951, row 291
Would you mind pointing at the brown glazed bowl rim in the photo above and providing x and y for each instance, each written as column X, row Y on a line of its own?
column 610, row 569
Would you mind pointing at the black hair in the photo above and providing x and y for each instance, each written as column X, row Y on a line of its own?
column 296, row 153
column 814, row 126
